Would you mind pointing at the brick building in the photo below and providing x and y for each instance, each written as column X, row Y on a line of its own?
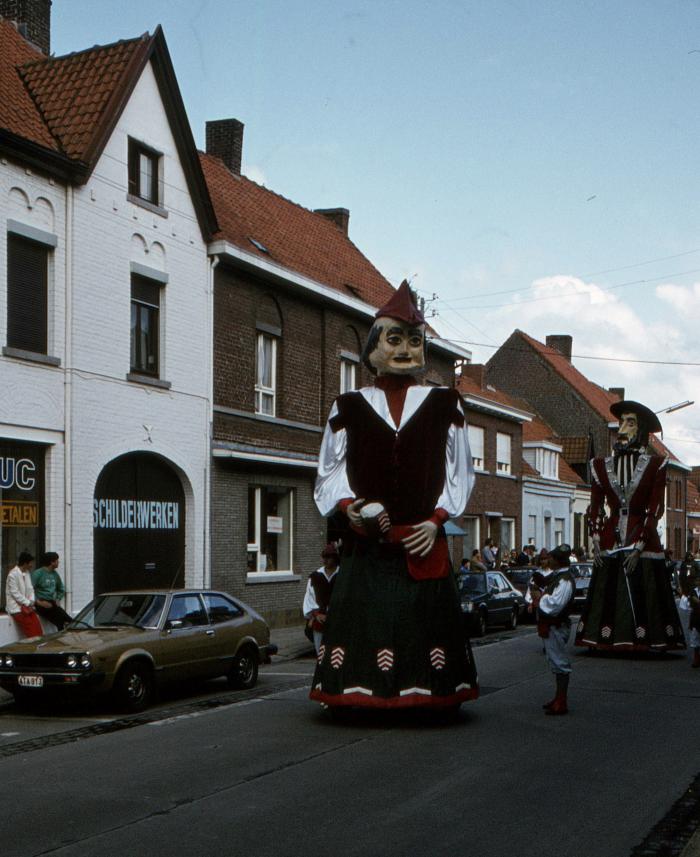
column 293, row 302
column 496, row 423
column 579, row 412
column 104, row 312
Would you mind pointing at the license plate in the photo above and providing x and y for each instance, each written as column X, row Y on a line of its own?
column 30, row 681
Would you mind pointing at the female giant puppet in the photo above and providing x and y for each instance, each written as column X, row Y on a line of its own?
column 630, row 605
column 395, row 460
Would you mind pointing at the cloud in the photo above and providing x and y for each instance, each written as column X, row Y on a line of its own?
column 636, row 324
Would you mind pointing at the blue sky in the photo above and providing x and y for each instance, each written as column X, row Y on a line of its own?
column 548, row 150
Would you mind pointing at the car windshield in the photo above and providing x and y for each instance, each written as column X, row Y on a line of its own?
column 138, row 610
column 583, row 571
column 475, row 584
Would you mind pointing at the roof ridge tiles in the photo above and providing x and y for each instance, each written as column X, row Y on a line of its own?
column 62, row 57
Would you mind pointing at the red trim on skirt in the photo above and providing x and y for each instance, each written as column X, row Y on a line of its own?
column 411, row 700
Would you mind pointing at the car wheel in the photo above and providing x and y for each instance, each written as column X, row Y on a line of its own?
column 481, row 623
column 133, row 686
column 244, row 670
column 513, row 621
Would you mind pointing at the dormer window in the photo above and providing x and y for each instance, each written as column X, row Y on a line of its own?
column 144, row 173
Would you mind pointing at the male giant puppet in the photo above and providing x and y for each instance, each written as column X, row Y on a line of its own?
column 630, row 605
column 395, row 460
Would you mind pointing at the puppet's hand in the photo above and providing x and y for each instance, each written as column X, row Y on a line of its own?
column 597, row 558
column 421, row 541
column 631, row 561
column 353, row 513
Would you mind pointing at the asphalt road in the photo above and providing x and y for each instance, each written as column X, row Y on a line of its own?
column 266, row 772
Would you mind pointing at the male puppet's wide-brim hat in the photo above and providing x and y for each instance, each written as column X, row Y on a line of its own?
column 651, row 421
column 402, row 307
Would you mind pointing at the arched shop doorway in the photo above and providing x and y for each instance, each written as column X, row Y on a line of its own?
column 138, row 524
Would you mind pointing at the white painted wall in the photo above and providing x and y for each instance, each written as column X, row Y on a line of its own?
column 94, row 413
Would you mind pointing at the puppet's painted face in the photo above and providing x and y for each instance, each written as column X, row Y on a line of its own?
column 400, row 349
column 628, row 430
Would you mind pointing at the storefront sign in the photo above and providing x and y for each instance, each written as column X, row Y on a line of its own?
column 17, row 472
column 19, row 513
column 275, row 524
column 110, row 514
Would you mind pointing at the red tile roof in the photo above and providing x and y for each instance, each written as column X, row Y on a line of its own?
column 567, row 474
column 78, row 94
column 468, row 386
column 18, row 113
column 295, row 237
column 529, row 470
column 539, row 430
column 597, row 397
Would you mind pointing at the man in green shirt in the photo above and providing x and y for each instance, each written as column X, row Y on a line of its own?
column 49, row 590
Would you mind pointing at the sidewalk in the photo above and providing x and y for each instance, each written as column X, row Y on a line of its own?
column 291, row 643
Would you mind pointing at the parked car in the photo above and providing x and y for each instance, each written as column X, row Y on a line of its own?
column 520, row 577
column 128, row 643
column 581, row 572
column 489, row 599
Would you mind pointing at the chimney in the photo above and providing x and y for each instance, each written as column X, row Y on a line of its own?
column 225, row 141
column 475, row 371
column 32, row 19
column 562, row 343
column 339, row 216
column 617, row 391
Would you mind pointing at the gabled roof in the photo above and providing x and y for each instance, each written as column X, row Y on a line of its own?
column 294, row 237
column 538, row 430
column 57, row 113
column 597, row 397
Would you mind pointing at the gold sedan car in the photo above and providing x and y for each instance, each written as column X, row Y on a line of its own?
column 128, row 643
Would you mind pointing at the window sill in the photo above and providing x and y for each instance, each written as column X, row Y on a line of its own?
column 31, row 356
column 149, row 206
column 148, row 380
column 505, row 475
column 272, row 577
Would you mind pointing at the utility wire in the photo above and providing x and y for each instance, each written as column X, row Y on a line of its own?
column 554, row 353
column 579, row 294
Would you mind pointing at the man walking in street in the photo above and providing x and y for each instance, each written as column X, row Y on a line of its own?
column 49, row 590
column 553, row 604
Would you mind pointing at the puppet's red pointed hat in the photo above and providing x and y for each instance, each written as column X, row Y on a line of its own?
column 402, row 307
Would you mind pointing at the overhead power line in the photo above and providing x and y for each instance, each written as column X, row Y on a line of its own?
column 554, row 353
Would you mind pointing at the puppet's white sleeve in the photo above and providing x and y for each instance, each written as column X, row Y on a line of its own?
column 332, row 479
column 459, row 471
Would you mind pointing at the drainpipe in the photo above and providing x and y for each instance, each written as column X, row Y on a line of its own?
column 68, row 406
column 213, row 262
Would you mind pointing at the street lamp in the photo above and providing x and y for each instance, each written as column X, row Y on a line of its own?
column 677, row 407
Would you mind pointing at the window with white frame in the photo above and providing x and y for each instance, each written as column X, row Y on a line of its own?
column 270, row 528
column 549, row 464
column 531, row 529
column 348, row 375
column 145, row 165
column 476, row 445
column 265, row 374
column 558, row 531
column 502, row 452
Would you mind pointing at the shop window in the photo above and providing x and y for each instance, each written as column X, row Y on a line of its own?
column 145, row 325
column 476, row 445
column 144, row 173
column 27, row 294
column 22, row 509
column 266, row 374
column 270, row 529
column 503, row 453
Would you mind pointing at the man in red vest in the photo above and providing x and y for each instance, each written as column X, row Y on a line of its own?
column 395, row 460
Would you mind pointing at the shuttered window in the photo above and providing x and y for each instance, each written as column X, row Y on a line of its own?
column 27, row 300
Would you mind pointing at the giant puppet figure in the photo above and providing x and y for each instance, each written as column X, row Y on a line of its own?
column 395, row 460
column 630, row 605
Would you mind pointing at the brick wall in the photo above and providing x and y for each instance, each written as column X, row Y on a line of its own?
column 517, row 369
